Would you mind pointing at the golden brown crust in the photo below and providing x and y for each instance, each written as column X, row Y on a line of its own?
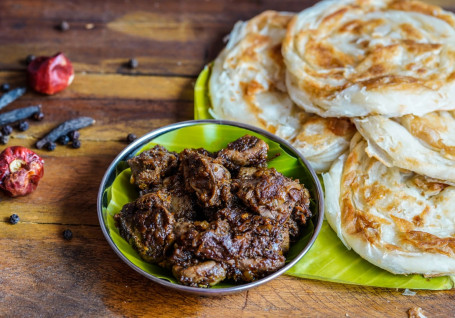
column 389, row 215
column 360, row 48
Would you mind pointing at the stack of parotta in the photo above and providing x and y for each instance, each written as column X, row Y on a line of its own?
column 365, row 89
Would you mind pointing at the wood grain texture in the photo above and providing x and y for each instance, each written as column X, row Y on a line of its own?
column 41, row 274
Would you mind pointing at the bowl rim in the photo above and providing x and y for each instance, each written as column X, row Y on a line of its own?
column 137, row 144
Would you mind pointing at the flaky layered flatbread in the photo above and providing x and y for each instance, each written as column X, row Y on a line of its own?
column 425, row 145
column 247, row 84
column 398, row 220
column 381, row 57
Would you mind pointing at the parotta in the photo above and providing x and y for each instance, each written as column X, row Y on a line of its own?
column 381, row 57
column 425, row 145
column 398, row 220
column 247, row 84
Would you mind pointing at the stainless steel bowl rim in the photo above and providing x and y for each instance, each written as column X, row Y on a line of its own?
column 133, row 147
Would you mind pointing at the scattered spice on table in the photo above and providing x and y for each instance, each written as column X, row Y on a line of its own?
column 29, row 58
column 74, row 135
column 11, row 96
column 76, row 144
column 63, row 140
column 63, row 26
column 133, row 63
column 51, row 146
column 130, row 138
column 7, row 130
column 38, row 116
column 90, row 26
column 14, row 219
column 67, row 234
column 4, row 139
column 19, row 114
column 65, row 128
column 23, row 125
column 5, row 87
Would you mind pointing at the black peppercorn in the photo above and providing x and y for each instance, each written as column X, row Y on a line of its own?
column 14, row 219
column 74, row 135
column 4, row 139
column 23, row 126
column 51, row 146
column 38, row 116
column 29, row 59
column 7, row 130
column 76, row 143
column 63, row 26
column 63, row 140
column 131, row 137
column 5, row 87
column 133, row 63
column 67, row 234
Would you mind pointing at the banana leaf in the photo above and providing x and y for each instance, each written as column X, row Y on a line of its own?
column 329, row 259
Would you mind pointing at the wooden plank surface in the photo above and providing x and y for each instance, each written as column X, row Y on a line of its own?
column 43, row 275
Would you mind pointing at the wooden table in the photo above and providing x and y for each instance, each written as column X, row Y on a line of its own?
column 41, row 274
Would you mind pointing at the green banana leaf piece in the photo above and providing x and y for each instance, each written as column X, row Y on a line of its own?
column 211, row 137
column 329, row 259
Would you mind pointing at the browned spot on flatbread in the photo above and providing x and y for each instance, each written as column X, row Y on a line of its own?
column 335, row 17
column 325, row 55
column 340, row 126
column 421, row 7
column 420, row 48
column 410, row 31
column 430, row 243
column 276, row 56
column 402, row 224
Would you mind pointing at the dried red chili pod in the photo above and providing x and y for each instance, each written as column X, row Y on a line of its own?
column 20, row 170
column 50, row 75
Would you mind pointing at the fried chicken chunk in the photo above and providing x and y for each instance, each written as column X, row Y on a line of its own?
column 245, row 151
column 148, row 225
column 150, row 167
column 270, row 194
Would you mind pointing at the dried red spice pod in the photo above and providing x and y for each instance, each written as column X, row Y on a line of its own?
column 20, row 170
column 50, row 75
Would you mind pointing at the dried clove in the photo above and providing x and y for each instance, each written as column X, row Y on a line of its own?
column 19, row 114
column 64, row 129
column 11, row 96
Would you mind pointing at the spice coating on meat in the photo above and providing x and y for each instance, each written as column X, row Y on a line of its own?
column 270, row 194
column 148, row 225
column 194, row 219
column 151, row 166
column 206, row 177
column 245, row 151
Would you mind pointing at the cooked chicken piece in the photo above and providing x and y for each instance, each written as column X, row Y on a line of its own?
column 245, row 151
column 205, row 177
column 203, row 274
column 235, row 238
column 183, row 204
column 150, row 167
column 270, row 194
column 148, row 225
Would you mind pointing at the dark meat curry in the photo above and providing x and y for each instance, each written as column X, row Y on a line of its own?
column 213, row 216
